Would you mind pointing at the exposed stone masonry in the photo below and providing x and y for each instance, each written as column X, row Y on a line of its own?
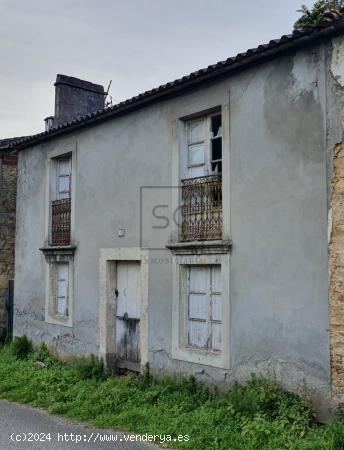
column 8, row 185
column 336, row 266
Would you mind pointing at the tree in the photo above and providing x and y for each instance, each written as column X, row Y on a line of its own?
column 311, row 18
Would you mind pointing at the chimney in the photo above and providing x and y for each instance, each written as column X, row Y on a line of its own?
column 75, row 97
column 49, row 123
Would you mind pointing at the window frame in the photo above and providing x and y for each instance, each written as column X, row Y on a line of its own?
column 69, row 150
column 58, row 193
column 180, row 348
column 207, row 141
column 57, row 296
column 51, row 314
column 209, row 294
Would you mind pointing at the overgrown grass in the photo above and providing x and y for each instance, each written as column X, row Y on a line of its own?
column 257, row 416
column 21, row 347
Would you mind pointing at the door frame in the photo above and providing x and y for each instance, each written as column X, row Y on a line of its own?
column 108, row 259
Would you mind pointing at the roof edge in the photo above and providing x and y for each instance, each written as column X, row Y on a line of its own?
column 233, row 65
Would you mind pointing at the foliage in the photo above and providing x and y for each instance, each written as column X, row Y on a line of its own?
column 146, row 378
column 3, row 337
column 21, row 347
column 311, row 18
column 43, row 355
column 89, row 368
column 259, row 415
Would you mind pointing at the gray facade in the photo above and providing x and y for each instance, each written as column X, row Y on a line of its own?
column 281, row 119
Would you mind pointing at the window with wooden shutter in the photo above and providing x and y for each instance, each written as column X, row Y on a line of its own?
column 64, row 175
column 201, row 208
column 204, row 306
column 62, row 287
column 61, row 202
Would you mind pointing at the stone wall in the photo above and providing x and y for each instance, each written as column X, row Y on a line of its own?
column 8, row 186
column 336, row 267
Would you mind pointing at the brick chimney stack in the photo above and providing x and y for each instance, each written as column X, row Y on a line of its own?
column 75, row 97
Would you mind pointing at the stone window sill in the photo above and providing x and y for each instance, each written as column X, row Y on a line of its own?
column 58, row 250
column 200, row 247
column 200, row 356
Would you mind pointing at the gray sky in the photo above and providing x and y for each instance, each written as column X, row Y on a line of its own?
column 139, row 44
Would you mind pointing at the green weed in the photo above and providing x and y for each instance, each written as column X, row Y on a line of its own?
column 21, row 347
column 258, row 415
column 89, row 368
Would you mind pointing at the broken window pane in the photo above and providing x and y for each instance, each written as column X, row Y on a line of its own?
column 216, row 144
column 216, row 167
column 216, row 126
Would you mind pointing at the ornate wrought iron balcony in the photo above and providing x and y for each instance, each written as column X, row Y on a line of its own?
column 202, row 208
column 60, row 223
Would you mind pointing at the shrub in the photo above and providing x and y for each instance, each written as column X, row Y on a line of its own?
column 3, row 338
column 43, row 355
column 311, row 18
column 21, row 347
column 267, row 398
column 145, row 379
column 196, row 388
column 89, row 367
column 337, row 437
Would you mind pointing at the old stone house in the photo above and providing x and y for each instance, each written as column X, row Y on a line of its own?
column 197, row 226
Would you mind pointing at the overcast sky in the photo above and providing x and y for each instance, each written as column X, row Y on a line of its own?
column 138, row 44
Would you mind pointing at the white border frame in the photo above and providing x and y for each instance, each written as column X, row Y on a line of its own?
column 107, row 307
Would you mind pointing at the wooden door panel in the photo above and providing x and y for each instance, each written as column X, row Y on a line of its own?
column 128, row 313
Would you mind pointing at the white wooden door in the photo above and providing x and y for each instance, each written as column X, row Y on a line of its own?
column 128, row 294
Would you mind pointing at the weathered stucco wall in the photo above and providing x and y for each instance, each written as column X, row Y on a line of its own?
column 8, row 187
column 277, row 210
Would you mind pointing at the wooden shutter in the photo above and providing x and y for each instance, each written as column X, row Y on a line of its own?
column 204, row 306
column 62, row 288
column 64, row 174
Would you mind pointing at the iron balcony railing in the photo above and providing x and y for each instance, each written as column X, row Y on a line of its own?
column 201, row 209
column 60, row 223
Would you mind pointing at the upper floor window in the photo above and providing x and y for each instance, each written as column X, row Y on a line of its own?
column 202, row 188
column 204, row 146
column 64, row 175
column 61, row 201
